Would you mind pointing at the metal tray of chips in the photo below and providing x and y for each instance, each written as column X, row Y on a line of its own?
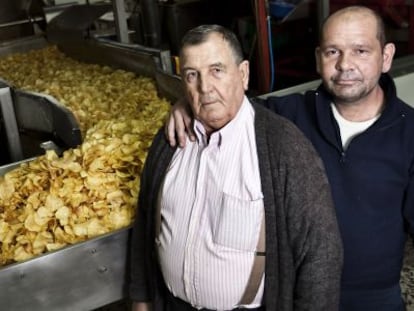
column 8, row 167
column 83, row 276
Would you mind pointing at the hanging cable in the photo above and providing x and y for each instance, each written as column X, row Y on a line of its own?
column 263, row 46
column 269, row 45
column 271, row 59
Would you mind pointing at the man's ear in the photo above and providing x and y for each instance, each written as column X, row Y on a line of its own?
column 244, row 71
column 387, row 56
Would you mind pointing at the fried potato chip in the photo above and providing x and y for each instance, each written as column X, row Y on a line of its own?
column 52, row 201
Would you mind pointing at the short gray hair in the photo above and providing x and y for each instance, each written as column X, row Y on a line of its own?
column 201, row 33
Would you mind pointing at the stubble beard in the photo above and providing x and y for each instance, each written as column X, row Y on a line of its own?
column 348, row 95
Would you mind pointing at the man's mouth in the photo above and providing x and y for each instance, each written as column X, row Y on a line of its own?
column 209, row 102
column 347, row 81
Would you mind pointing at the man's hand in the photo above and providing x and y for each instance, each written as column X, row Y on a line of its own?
column 179, row 124
column 141, row 306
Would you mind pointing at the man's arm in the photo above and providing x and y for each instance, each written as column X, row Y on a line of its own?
column 313, row 228
column 141, row 251
column 306, row 228
column 179, row 124
column 409, row 203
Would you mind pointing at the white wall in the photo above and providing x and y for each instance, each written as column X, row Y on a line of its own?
column 405, row 88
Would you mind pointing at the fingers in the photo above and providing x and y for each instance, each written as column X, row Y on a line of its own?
column 170, row 130
column 182, row 123
column 188, row 122
column 179, row 124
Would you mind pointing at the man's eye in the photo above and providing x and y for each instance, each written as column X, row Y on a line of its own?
column 361, row 51
column 191, row 76
column 331, row 52
column 217, row 71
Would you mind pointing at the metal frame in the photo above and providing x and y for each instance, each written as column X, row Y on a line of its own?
column 120, row 21
column 10, row 124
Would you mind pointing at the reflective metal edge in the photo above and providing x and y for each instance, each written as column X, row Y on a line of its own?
column 83, row 276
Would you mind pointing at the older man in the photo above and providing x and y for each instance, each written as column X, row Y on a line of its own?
column 249, row 187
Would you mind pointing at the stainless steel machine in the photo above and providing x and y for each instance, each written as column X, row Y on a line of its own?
column 93, row 273
column 74, row 32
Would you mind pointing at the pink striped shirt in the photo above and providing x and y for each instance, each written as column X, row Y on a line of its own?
column 211, row 210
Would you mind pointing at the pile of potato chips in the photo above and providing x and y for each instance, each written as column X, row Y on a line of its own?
column 53, row 201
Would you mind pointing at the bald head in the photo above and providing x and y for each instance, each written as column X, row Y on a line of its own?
column 352, row 13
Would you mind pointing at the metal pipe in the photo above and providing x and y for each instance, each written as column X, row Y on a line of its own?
column 263, row 47
column 120, row 21
column 21, row 22
column 10, row 124
column 151, row 23
column 323, row 11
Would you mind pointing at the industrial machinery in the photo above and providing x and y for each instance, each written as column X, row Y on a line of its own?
column 74, row 30
column 89, row 274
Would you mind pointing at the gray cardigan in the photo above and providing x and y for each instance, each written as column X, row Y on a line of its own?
column 303, row 246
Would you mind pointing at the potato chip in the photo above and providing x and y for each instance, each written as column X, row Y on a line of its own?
column 53, row 201
column 63, row 214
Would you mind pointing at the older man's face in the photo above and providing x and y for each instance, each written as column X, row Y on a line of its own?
column 214, row 83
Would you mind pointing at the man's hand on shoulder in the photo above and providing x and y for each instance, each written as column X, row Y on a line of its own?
column 178, row 124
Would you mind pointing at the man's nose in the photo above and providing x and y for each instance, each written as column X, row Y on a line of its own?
column 204, row 84
column 344, row 62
